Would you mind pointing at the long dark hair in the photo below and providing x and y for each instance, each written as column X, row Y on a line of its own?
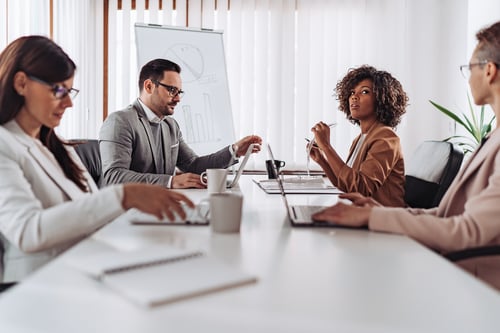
column 41, row 57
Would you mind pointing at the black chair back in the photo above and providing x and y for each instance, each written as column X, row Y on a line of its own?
column 430, row 171
column 89, row 153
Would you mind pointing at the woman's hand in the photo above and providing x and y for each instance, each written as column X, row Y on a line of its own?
column 316, row 154
column 348, row 215
column 155, row 200
column 360, row 200
column 321, row 135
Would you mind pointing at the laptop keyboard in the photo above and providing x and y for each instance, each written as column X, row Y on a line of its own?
column 304, row 212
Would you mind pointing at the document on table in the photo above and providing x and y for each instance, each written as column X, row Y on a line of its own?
column 155, row 276
column 299, row 185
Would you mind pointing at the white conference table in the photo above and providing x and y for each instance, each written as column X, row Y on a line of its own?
column 309, row 280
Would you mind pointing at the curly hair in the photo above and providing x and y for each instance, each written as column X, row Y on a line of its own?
column 390, row 98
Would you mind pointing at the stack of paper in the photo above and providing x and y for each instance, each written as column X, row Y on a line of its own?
column 299, row 185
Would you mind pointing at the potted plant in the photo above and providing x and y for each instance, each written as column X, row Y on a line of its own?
column 478, row 127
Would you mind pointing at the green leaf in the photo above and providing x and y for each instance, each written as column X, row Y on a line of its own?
column 474, row 124
column 448, row 113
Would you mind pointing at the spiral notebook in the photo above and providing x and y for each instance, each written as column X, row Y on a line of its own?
column 151, row 277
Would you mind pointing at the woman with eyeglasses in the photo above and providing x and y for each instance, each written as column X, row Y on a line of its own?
column 468, row 214
column 48, row 200
column 375, row 101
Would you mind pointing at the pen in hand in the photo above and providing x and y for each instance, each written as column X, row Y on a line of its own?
column 312, row 143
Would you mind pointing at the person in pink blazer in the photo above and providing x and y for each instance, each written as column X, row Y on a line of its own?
column 468, row 215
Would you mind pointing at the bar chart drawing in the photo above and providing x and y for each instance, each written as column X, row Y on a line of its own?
column 199, row 126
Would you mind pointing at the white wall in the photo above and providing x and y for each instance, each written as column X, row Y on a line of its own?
column 434, row 69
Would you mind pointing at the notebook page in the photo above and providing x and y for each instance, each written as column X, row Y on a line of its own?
column 161, row 284
column 103, row 263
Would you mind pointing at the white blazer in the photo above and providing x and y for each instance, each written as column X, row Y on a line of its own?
column 42, row 212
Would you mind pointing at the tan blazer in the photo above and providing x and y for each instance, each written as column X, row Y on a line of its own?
column 378, row 170
column 42, row 212
column 468, row 215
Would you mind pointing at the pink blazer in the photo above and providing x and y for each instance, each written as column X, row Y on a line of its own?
column 468, row 215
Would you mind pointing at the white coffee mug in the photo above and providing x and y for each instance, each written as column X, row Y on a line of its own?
column 215, row 179
column 225, row 212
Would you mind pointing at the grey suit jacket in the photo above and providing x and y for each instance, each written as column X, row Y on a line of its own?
column 127, row 153
column 42, row 212
column 467, row 216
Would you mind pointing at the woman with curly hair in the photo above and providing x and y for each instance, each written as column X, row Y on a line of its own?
column 375, row 101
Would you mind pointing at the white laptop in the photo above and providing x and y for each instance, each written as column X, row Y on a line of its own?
column 234, row 182
column 194, row 216
column 300, row 215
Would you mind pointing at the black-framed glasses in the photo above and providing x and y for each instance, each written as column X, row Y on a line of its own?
column 465, row 69
column 58, row 90
column 172, row 91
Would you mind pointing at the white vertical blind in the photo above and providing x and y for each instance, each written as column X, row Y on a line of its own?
column 3, row 18
column 26, row 17
column 84, row 119
column 284, row 58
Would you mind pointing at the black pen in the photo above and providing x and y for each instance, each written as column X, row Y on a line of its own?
column 313, row 144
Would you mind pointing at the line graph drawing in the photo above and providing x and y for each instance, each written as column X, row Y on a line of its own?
column 190, row 58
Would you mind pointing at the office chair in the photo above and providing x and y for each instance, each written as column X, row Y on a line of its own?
column 430, row 171
column 481, row 251
column 3, row 285
column 89, row 153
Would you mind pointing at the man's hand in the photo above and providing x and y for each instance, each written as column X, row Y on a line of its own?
column 243, row 144
column 187, row 180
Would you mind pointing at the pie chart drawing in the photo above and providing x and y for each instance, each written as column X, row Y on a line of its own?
column 190, row 58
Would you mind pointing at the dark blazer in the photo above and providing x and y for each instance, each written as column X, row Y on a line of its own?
column 127, row 153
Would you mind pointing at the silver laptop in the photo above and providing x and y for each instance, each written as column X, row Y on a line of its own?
column 194, row 216
column 300, row 215
column 234, row 182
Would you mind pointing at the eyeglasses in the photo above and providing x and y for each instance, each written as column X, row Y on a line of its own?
column 58, row 90
column 172, row 91
column 466, row 69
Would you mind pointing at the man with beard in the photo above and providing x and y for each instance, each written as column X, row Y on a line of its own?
column 143, row 143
